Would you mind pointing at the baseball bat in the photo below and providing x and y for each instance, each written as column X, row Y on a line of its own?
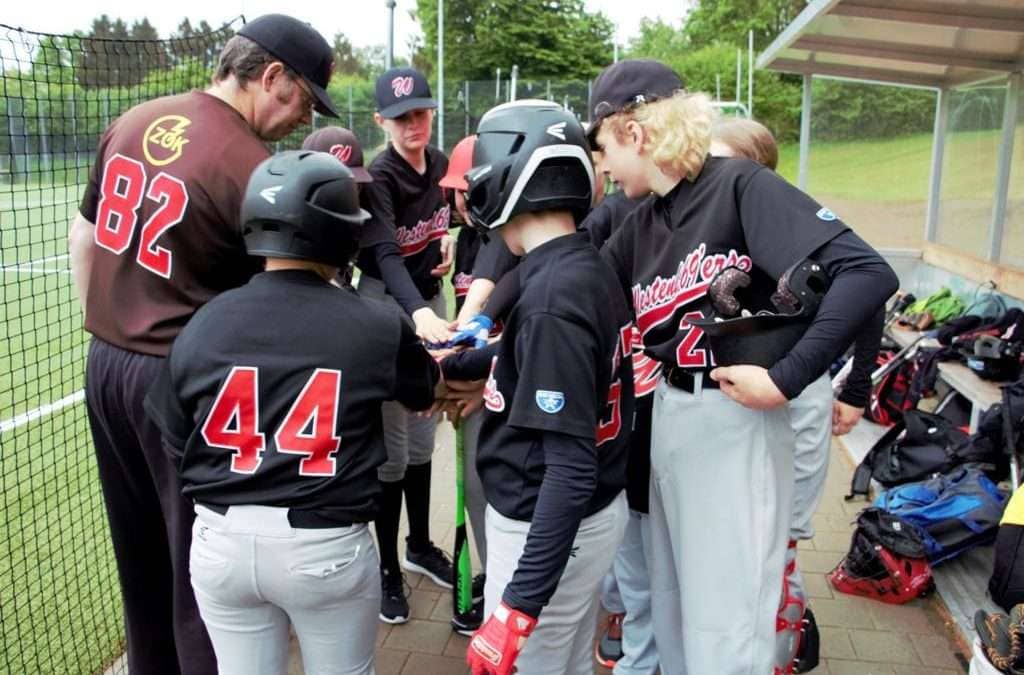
column 462, row 588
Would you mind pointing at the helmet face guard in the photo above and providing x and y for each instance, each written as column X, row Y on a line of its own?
column 529, row 156
column 302, row 205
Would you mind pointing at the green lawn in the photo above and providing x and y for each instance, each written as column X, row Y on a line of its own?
column 60, row 610
column 898, row 169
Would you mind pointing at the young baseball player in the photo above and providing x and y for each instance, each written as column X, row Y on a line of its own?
column 156, row 237
column 345, row 145
column 558, row 400
column 278, row 439
column 406, row 252
column 478, row 264
column 814, row 416
column 721, row 443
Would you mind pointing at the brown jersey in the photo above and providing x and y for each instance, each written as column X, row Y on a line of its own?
column 165, row 194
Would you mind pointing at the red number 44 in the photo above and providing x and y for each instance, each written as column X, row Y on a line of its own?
column 121, row 194
column 308, row 429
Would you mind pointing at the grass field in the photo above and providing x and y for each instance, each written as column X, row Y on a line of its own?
column 60, row 609
column 59, row 602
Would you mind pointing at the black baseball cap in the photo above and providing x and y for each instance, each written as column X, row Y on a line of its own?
column 344, row 145
column 300, row 47
column 627, row 83
column 400, row 90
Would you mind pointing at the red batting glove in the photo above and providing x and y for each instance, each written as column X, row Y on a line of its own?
column 494, row 648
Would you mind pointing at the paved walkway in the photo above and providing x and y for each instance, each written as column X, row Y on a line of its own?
column 859, row 636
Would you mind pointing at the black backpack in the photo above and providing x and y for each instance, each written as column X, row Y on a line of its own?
column 920, row 445
column 1007, row 582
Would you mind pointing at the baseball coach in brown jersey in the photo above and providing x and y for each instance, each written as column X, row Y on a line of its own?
column 155, row 238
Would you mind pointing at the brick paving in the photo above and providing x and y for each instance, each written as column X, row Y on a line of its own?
column 858, row 636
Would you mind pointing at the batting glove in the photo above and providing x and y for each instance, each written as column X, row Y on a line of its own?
column 474, row 332
column 494, row 648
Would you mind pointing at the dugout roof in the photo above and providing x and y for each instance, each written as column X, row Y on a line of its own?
column 929, row 43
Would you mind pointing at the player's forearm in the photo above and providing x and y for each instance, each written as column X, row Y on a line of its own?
column 469, row 364
column 861, row 283
column 503, row 298
column 80, row 250
column 857, row 388
column 570, row 478
column 396, row 278
column 476, row 298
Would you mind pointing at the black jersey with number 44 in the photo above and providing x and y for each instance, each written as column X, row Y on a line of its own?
column 563, row 366
column 271, row 395
column 735, row 212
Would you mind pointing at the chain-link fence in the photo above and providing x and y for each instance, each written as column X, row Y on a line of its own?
column 60, row 606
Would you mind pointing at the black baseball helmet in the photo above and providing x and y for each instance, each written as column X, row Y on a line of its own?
column 304, row 205
column 750, row 330
column 529, row 156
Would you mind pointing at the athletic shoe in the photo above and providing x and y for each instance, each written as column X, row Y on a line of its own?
column 468, row 622
column 394, row 605
column 478, row 587
column 807, row 654
column 609, row 648
column 431, row 562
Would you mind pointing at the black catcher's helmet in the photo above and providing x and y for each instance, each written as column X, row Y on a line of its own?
column 304, row 205
column 530, row 155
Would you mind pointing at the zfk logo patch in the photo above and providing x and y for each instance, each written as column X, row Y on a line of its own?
column 342, row 152
column 550, row 402
column 402, row 86
column 164, row 140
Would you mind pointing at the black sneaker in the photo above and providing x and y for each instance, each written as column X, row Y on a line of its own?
column 478, row 587
column 469, row 622
column 431, row 562
column 394, row 606
column 808, row 653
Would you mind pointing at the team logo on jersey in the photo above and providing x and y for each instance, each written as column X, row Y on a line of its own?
column 557, row 130
column 342, row 152
column 461, row 282
column 493, row 400
column 826, row 215
column 412, row 240
column 270, row 193
column 550, row 402
column 164, row 140
column 402, row 86
column 657, row 302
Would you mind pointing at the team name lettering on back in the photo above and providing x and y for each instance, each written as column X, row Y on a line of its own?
column 413, row 240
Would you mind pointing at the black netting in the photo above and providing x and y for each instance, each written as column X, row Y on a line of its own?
column 60, row 606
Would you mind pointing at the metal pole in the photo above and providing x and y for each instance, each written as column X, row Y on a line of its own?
column 805, row 134
column 440, row 74
column 718, row 87
column 615, row 53
column 549, row 91
column 739, row 73
column 931, row 223
column 497, row 85
column 45, row 161
column 995, row 244
column 465, row 99
column 389, row 57
column 515, row 80
column 350, row 108
column 750, row 74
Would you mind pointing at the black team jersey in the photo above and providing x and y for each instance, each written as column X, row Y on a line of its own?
column 605, row 218
column 410, row 210
column 561, row 369
column 736, row 212
column 271, row 395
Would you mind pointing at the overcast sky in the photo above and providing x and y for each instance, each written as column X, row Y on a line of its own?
column 363, row 21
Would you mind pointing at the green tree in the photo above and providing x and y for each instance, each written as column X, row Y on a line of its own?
column 729, row 21
column 544, row 38
column 346, row 59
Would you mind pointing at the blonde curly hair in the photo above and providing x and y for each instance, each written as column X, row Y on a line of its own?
column 677, row 130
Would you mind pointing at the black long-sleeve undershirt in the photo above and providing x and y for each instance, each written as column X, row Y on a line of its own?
column 861, row 283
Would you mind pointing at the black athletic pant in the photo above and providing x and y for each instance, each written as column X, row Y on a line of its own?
column 150, row 522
